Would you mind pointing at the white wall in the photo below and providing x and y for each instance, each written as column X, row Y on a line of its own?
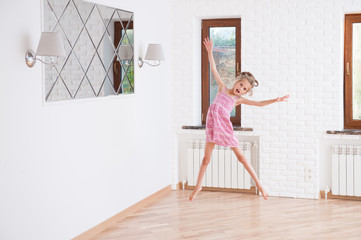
column 67, row 166
column 292, row 47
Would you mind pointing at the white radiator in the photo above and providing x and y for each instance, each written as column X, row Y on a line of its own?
column 224, row 170
column 346, row 170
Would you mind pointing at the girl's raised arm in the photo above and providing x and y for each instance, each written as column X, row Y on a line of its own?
column 246, row 101
column 208, row 44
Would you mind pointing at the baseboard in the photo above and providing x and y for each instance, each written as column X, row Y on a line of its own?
column 123, row 214
column 253, row 190
column 331, row 196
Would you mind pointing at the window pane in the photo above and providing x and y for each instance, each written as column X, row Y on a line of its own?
column 224, row 53
column 356, row 71
column 128, row 71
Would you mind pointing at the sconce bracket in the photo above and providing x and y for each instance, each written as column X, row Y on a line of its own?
column 140, row 62
column 30, row 58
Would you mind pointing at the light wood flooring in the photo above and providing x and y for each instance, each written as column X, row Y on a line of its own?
column 220, row 215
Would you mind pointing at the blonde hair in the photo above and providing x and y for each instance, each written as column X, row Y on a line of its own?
column 250, row 78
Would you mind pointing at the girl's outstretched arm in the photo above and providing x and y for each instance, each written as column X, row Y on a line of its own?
column 208, row 44
column 242, row 100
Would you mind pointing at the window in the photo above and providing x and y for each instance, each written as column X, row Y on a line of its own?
column 352, row 71
column 226, row 36
column 123, row 70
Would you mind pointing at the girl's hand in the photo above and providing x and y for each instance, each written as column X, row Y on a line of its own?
column 283, row 99
column 208, row 44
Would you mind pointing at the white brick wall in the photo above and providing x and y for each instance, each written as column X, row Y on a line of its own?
column 293, row 47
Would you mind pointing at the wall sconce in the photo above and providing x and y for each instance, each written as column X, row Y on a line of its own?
column 50, row 44
column 154, row 53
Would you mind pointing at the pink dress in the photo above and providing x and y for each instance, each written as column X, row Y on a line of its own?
column 219, row 129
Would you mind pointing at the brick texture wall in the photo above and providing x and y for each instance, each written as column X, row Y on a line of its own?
column 292, row 47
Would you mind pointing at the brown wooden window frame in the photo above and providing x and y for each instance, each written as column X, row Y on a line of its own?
column 206, row 24
column 349, row 122
column 117, row 69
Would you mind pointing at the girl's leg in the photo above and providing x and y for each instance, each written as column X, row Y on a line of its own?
column 207, row 158
column 247, row 165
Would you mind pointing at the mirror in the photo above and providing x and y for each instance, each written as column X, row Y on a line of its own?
column 98, row 42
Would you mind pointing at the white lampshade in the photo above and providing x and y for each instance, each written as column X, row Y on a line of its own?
column 125, row 52
column 154, row 52
column 51, row 44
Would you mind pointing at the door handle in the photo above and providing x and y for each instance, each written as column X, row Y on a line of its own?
column 115, row 67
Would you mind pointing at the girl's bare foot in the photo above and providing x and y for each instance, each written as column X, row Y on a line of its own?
column 264, row 193
column 194, row 193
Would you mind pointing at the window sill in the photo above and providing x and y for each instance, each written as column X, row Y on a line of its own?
column 202, row 127
column 345, row 132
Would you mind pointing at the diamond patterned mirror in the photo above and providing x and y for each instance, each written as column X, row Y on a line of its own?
column 98, row 41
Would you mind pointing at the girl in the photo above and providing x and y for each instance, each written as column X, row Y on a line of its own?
column 219, row 129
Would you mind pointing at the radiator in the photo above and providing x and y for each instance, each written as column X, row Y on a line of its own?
column 224, row 170
column 346, row 170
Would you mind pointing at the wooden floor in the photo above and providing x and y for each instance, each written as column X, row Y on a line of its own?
column 220, row 215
